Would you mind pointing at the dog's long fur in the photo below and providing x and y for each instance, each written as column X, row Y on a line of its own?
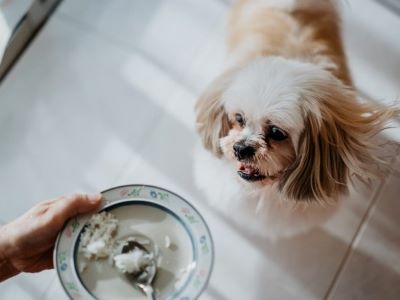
column 287, row 67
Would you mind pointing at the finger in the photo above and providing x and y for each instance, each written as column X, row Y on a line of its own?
column 79, row 204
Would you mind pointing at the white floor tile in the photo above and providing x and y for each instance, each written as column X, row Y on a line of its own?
column 27, row 286
column 171, row 34
column 12, row 290
column 373, row 268
column 124, row 20
column 70, row 121
column 55, row 291
column 371, row 40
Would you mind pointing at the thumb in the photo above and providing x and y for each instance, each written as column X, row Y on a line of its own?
column 79, row 203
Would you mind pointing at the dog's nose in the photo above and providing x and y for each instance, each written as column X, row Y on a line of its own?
column 243, row 151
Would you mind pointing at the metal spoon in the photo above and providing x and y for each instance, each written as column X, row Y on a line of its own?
column 144, row 278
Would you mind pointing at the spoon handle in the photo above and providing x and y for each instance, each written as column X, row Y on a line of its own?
column 148, row 290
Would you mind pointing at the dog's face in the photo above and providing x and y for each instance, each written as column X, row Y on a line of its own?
column 261, row 145
column 288, row 123
column 263, row 105
column 265, row 121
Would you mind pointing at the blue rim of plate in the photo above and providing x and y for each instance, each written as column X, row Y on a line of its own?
column 160, row 198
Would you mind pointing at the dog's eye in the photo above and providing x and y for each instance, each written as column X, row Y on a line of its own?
column 276, row 134
column 239, row 119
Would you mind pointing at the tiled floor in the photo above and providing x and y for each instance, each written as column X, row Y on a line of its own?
column 104, row 96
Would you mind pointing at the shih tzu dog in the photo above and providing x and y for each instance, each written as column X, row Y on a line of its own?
column 282, row 130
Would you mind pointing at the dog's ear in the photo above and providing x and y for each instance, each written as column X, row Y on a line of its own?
column 319, row 171
column 211, row 119
column 338, row 141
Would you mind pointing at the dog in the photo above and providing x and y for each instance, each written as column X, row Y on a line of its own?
column 282, row 131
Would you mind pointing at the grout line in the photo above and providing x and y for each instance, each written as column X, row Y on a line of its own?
column 357, row 235
column 354, row 239
column 48, row 288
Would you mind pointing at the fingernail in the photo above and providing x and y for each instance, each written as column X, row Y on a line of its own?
column 94, row 198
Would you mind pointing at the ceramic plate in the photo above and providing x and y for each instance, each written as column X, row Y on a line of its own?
column 152, row 212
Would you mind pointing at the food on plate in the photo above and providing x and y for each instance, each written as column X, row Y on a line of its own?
column 133, row 262
column 97, row 240
column 129, row 255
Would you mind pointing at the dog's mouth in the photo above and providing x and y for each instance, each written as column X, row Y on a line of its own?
column 250, row 172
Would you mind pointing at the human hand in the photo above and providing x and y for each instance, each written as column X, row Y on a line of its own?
column 27, row 243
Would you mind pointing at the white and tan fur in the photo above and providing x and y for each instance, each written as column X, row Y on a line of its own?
column 287, row 73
